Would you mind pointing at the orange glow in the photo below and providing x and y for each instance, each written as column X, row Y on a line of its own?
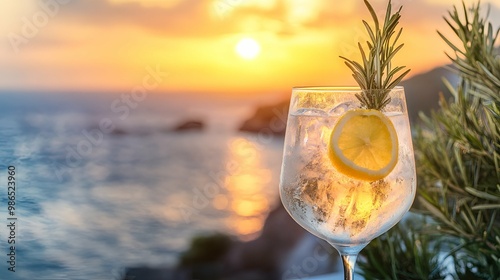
column 106, row 45
column 246, row 186
column 150, row 3
column 248, row 208
column 247, row 227
column 220, row 202
column 247, row 48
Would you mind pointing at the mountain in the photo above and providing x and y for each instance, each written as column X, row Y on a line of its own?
column 422, row 90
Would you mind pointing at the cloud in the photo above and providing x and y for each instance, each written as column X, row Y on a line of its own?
column 96, row 12
column 187, row 18
column 101, row 44
column 195, row 18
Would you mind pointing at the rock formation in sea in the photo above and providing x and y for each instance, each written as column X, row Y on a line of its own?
column 189, row 125
column 268, row 119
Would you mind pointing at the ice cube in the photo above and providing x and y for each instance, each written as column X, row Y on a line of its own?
column 394, row 107
column 311, row 112
column 312, row 130
column 341, row 108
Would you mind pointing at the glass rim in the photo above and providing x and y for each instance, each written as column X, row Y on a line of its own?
column 335, row 88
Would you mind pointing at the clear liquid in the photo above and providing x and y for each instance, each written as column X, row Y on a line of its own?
column 333, row 206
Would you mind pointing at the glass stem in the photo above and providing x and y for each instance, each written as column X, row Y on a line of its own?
column 348, row 262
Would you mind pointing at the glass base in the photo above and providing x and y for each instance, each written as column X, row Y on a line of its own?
column 349, row 250
column 349, row 253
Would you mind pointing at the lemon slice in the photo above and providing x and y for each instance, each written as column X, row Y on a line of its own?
column 364, row 145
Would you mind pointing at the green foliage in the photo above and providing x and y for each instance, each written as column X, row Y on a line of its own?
column 476, row 59
column 458, row 158
column 375, row 73
column 206, row 249
column 459, row 152
column 404, row 252
column 203, row 259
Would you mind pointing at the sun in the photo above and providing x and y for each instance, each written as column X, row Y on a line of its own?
column 247, row 48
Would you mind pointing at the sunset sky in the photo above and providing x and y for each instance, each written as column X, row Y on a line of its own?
column 106, row 45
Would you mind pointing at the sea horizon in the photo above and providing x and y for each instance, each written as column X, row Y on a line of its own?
column 93, row 202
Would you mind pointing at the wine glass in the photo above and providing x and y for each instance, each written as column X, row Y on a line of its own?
column 344, row 211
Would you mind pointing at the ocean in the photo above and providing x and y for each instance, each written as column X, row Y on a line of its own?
column 102, row 184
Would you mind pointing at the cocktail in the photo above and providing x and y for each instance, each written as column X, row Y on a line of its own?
column 347, row 202
column 348, row 172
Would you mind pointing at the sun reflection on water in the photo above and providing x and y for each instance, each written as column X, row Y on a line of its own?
column 246, row 184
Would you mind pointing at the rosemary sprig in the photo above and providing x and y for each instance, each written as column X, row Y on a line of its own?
column 375, row 74
column 476, row 57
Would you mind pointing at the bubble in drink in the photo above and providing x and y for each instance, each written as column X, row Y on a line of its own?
column 337, row 208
